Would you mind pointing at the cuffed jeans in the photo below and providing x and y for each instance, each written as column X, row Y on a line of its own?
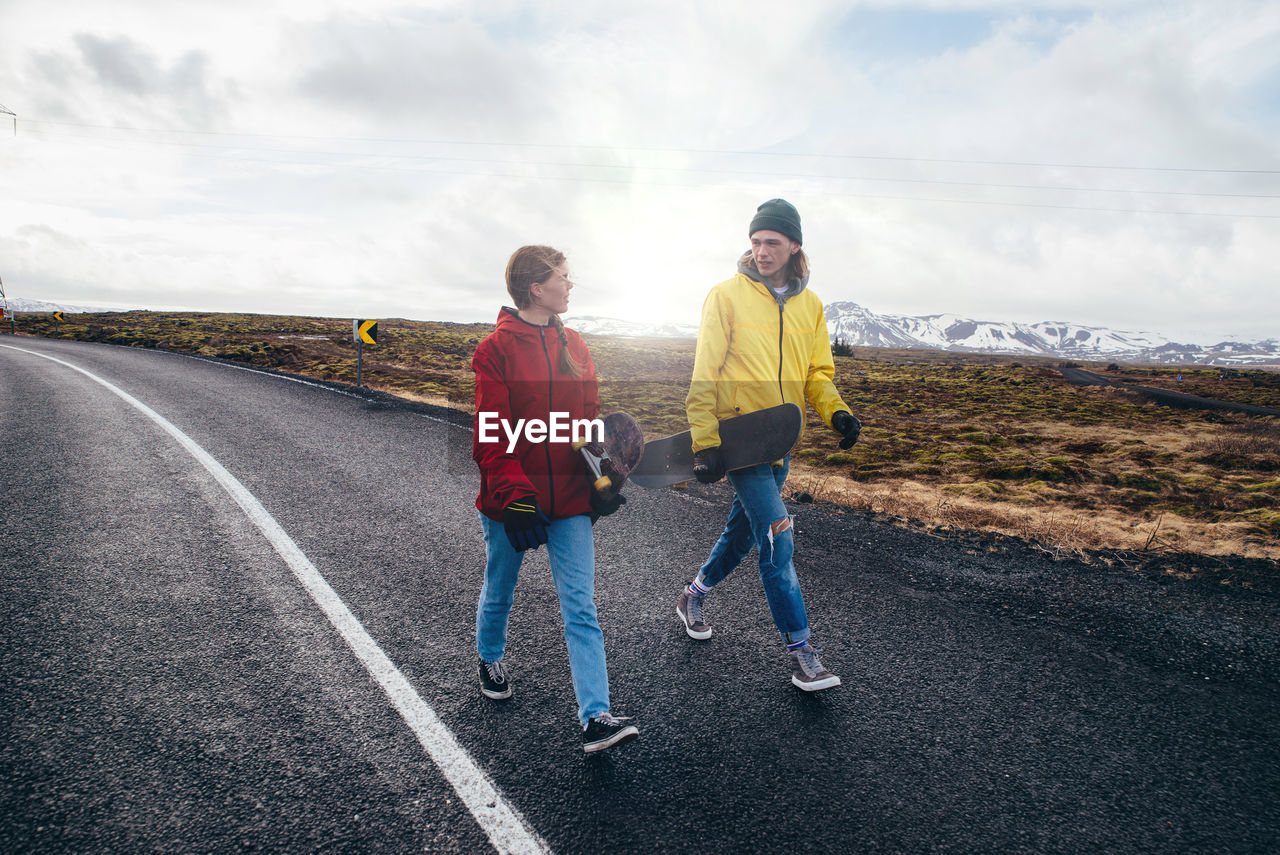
column 757, row 505
column 572, row 554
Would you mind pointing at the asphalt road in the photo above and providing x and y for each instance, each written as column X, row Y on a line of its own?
column 1168, row 397
column 170, row 684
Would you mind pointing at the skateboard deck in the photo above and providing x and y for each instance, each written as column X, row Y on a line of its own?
column 611, row 461
column 760, row 437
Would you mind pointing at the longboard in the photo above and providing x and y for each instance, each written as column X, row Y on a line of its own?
column 760, row 437
column 611, row 461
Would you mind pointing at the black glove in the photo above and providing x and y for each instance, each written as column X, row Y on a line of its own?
column 847, row 426
column 602, row 507
column 708, row 465
column 526, row 524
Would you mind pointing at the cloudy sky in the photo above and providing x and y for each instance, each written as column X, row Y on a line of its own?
column 1109, row 163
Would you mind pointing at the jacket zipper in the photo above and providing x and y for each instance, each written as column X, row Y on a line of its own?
column 781, row 394
column 551, row 480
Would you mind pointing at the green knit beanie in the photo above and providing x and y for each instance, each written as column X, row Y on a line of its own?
column 777, row 215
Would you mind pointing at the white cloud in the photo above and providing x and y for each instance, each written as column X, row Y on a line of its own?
column 354, row 158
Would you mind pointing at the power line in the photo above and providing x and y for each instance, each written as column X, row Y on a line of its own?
column 627, row 182
column 598, row 180
column 744, row 172
column 677, row 150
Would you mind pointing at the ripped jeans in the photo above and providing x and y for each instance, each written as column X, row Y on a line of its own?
column 757, row 513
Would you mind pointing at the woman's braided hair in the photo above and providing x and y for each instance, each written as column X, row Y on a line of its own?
column 530, row 264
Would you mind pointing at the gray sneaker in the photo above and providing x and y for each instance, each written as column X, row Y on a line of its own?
column 807, row 672
column 689, row 609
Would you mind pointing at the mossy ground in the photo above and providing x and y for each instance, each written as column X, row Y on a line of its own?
column 977, row 440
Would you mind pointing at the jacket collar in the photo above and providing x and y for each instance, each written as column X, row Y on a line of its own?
column 748, row 269
column 509, row 321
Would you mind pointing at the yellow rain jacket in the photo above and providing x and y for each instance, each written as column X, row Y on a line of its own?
column 756, row 350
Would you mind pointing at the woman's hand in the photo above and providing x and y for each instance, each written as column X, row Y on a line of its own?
column 602, row 506
column 526, row 524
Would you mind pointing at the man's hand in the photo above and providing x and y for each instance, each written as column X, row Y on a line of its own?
column 526, row 524
column 847, row 426
column 708, row 465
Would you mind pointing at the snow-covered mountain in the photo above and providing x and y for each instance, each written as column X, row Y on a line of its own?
column 858, row 326
column 593, row 325
column 22, row 304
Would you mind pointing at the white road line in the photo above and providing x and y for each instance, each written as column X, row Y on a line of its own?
column 506, row 828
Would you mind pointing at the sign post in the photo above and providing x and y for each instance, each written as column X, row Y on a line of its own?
column 363, row 331
column 4, row 309
column 57, row 316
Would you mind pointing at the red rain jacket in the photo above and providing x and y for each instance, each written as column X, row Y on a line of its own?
column 518, row 376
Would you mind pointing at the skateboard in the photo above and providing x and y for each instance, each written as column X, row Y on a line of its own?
column 760, row 437
column 611, row 461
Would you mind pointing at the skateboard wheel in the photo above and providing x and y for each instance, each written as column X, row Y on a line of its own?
column 603, row 483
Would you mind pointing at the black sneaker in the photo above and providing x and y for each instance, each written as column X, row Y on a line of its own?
column 689, row 610
column 807, row 672
column 605, row 730
column 494, row 682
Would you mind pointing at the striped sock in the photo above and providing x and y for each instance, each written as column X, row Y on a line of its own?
column 797, row 645
column 696, row 589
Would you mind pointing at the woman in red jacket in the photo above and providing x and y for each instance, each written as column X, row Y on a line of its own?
column 534, row 492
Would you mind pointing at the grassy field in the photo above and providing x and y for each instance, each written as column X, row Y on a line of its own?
column 953, row 441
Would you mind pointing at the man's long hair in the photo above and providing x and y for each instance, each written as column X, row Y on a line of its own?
column 797, row 265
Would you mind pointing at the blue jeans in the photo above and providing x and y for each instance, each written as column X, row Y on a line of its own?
column 572, row 553
column 757, row 505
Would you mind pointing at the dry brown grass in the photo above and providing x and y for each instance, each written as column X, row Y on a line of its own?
column 1254, row 436
column 434, row 400
column 1056, row 525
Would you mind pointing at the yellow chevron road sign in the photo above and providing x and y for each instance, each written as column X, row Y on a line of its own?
column 57, row 316
column 365, row 331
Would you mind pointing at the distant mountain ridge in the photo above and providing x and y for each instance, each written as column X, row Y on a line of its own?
column 857, row 326
column 594, row 325
column 22, row 304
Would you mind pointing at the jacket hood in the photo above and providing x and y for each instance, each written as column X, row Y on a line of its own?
column 747, row 268
column 509, row 321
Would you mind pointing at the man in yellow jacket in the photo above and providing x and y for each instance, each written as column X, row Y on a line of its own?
column 762, row 342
